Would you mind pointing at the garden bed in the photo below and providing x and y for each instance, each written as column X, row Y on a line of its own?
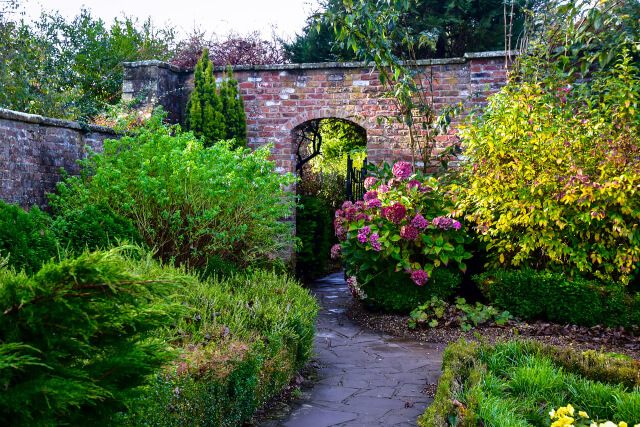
column 607, row 340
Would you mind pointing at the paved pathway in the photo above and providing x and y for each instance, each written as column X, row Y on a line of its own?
column 365, row 378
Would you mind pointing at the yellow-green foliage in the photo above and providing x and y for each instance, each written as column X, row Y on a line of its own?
column 553, row 172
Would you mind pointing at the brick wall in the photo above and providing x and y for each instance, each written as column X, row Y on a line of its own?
column 34, row 148
column 279, row 98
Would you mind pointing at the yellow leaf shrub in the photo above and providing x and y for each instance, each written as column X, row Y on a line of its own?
column 554, row 173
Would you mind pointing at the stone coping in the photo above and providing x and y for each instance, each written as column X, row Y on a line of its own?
column 321, row 65
column 49, row 121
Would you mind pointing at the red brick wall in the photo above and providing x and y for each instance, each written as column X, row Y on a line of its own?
column 278, row 98
column 34, row 148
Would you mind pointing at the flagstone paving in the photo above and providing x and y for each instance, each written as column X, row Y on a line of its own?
column 364, row 377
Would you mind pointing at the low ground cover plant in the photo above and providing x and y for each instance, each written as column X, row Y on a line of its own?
column 401, row 236
column 186, row 201
column 523, row 383
column 438, row 312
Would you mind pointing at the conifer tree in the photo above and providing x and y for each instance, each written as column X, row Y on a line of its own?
column 233, row 110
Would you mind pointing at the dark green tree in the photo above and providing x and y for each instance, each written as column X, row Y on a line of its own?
column 211, row 116
column 458, row 26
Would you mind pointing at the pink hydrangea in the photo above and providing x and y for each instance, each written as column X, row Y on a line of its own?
column 336, row 251
column 352, row 283
column 341, row 233
column 374, row 203
column 393, row 182
column 409, row 232
column 383, row 189
column 418, row 221
column 414, row 183
column 445, row 223
column 402, row 170
column 362, row 216
column 425, row 189
column 346, row 205
column 339, row 213
column 396, row 213
column 363, row 234
column 370, row 195
column 420, row 277
column 373, row 239
column 350, row 213
column 359, row 205
column 369, row 182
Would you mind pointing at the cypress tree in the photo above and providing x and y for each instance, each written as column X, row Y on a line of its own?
column 212, row 116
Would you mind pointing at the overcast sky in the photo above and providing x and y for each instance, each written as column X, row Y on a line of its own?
column 219, row 16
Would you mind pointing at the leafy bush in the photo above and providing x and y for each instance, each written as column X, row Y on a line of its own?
column 244, row 339
column 552, row 171
column 92, row 227
column 553, row 296
column 188, row 202
column 458, row 314
column 400, row 294
column 518, row 383
column 313, row 228
column 400, row 231
column 25, row 237
column 77, row 337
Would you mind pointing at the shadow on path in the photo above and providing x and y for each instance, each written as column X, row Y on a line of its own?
column 365, row 378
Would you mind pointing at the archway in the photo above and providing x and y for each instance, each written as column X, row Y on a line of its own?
column 321, row 150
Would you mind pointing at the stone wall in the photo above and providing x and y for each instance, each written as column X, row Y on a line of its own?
column 33, row 149
column 279, row 98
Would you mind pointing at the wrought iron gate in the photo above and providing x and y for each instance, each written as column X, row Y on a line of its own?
column 355, row 180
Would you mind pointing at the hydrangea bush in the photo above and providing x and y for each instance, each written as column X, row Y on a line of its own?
column 401, row 228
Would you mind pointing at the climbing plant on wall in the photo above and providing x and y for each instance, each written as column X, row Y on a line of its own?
column 214, row 116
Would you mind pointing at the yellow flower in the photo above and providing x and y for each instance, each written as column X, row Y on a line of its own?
column 622, row 424
column 552, row 414
column 583, row 414
column 570, row 409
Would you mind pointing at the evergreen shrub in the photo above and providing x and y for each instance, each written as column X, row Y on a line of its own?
column 553, row 296
column 92, row 227
column 78, row 337
column 399, row 293
column 187, row 201
column 313, row 227
column 25, row 237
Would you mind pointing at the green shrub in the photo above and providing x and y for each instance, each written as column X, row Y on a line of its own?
column 25, row 237
column 246, row 336
column 400, row 294
column 314, row 225
column 92, row 227
column 188, row 202
column 77, row 337
column 517, row 383
column 553, row 296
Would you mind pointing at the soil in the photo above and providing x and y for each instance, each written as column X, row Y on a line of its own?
column 621, row 340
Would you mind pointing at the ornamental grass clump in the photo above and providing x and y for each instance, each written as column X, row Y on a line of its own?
column 400, row 236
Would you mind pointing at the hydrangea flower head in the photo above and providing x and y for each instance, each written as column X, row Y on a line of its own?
column 374, row 203
column 419, row 222
column 369, row 182
column 383, row 188
column 336, row 251
column 414, row 183
column 369, row 195
column 409, row 232
column 346, row 205
column 396, row 213
column 373, row 239
column 420, row 277
column 401, row 170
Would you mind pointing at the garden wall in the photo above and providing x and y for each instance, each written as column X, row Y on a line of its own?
column 33, row 149
column 279, row 98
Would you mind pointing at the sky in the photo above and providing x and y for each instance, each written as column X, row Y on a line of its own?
column 285, row 17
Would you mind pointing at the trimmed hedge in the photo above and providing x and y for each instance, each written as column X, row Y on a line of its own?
column 400, row 294
column 517, row 383
column 552, row 296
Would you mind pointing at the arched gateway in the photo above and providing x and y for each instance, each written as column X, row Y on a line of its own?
column 279, row 98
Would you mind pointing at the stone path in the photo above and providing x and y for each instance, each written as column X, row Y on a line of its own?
column 365, row 378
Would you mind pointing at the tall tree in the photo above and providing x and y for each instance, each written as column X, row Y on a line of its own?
column 458, row 26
